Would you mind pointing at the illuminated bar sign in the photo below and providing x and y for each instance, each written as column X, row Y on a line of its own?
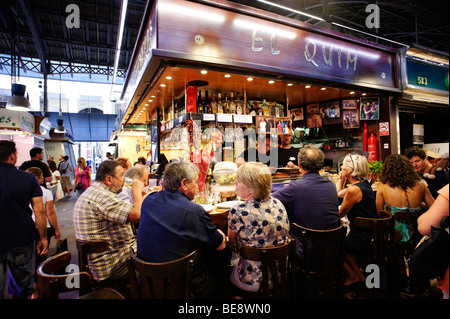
column 221, row 36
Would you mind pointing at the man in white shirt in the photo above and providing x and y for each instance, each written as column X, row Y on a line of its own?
column 137, row 172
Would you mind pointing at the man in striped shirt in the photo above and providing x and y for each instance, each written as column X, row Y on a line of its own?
column 99, row 214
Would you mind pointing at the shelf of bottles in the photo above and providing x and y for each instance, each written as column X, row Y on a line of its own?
column 219, row 107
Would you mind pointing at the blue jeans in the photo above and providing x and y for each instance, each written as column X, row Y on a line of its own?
column 21, row 263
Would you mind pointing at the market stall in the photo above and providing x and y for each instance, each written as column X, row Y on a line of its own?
column 212, row 75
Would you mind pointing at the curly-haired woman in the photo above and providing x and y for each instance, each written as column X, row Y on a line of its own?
column 401, row 190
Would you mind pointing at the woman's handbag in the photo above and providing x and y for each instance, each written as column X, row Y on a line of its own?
column 431, row 256
column 79, row 185
column 61, row 246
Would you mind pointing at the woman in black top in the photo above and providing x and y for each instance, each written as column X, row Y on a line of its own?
column 359, row 201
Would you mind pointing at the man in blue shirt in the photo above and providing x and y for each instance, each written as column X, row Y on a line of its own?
column 312, row 200
column 172, row 226
column 17, row 230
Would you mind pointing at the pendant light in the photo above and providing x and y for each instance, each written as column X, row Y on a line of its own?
column 17, row 101
column 60, row 128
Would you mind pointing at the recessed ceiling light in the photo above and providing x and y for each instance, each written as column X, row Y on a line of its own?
column 271, row 82
column 153, row 96
column 169, row 77
column 323, row 89
column 162, row 85
column 227, row 75
column 249, row 79
column 364, row 94
column 352, row 92
column 290, row 84
column 204, row 72
column 307, row 86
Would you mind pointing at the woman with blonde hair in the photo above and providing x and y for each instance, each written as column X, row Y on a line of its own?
column 359, row 201
column 261, row 221
column 82, row 175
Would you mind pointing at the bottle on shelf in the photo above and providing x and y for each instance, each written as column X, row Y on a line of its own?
column 239, row 107
column 276, row 109
column 200, row 106
column 207, row 103
column 266, row 108
column 219, row 103
column 259, row 109
column 226, row 104
column 214, row 103
column 232, row 104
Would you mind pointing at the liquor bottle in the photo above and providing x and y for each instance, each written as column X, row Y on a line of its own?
column 226, row 104
column 276, row 109
column 259, row 109
column 200, row 106
column 239, row 108
column 219, row 103
column 214, row 103
column 266, row 108
column 246, row 108
column 232, row 104
column 207, row 103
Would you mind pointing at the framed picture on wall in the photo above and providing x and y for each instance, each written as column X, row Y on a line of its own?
column 283, row 125
column 313, row 120
column 350, row 119
column 297, row 114
column 349, row 104
column 265, row 124
column 312, row 108
column 370, row 108
column 330, row 110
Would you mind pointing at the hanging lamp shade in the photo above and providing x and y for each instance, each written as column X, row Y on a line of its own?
column 60, row 128
column 18, row 102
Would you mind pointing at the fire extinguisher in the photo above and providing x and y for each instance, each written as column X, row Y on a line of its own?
column 365, row 138
column 372, row 147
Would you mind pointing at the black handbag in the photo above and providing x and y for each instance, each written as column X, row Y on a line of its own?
column 431, row 256
column 61, row 246
column 79, row 185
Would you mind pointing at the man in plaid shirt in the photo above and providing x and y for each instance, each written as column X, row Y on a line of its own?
column 99, row 214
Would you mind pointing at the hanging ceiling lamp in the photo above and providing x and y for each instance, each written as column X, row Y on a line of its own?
column 60, row 128
column 18, row 102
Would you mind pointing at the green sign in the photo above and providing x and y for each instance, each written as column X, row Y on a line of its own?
column 428, row 76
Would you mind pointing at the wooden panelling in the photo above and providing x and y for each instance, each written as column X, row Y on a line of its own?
column 296, row 94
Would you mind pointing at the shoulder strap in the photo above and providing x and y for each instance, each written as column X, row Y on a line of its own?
column 406, row 198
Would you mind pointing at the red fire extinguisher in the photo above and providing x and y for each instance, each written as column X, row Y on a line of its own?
column 372, row 147
column 365, row 138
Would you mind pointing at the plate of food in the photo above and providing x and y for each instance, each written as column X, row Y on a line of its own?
column 229, row 204
column 207, row 207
